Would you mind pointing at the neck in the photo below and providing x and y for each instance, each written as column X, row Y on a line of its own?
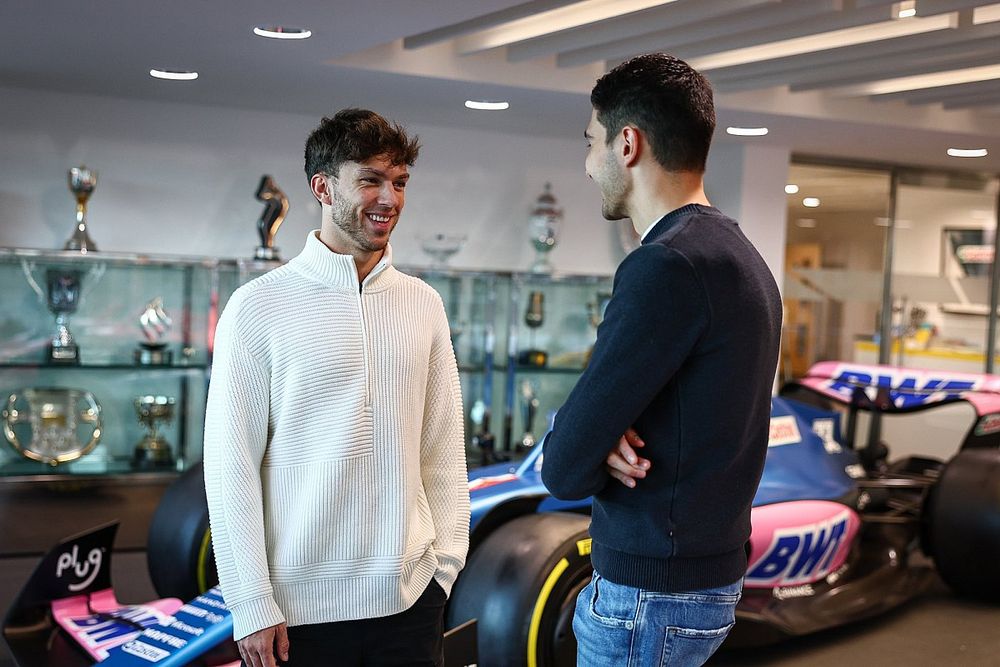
column 657, row 192
column 364, row 260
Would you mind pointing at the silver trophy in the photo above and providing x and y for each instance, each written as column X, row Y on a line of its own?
column 62, row 295
column 52, row 425
column 544, row 226
column 275, row 210
column 153, row 450
column 154, row 323
column 441, row 247
column 529, row 404
column 81, row 183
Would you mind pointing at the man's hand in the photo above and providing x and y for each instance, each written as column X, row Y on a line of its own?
column 258, row 649
column 623, row 463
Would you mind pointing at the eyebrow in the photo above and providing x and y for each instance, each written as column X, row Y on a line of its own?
column 378, row 172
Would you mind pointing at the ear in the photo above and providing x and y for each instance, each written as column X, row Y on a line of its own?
column 320, row 188
column 631, row 146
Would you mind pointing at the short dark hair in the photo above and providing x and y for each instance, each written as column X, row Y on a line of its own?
column 356, row 135
column 665, row 98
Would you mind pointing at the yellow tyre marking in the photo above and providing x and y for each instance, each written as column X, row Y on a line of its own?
column 202, row 573
column 536, row 615
column 583, row 546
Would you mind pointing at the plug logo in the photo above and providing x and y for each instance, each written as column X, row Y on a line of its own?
column 85, row 570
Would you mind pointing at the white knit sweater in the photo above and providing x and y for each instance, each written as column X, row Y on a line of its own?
column 334, row 446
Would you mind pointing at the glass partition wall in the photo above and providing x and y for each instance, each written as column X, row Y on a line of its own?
column 892, row 266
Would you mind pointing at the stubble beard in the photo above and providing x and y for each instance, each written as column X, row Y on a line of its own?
column 347, row 218
column 613, row 192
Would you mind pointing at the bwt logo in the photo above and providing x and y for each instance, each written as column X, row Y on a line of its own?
column 801, row 554
column 906, row 389
column 86, row 570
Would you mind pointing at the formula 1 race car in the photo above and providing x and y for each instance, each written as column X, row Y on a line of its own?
column 838, row 530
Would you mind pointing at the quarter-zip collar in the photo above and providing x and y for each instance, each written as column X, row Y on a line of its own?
column 318, row 262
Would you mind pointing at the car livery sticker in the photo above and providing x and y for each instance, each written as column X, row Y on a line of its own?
column 988, row 424
column 486, row 482
column 798, row 542
column 194, row 627
column 783, row 431
column 101, row 623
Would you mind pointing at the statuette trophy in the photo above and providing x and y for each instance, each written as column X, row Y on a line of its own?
column 81, row 183
column 275, row 210
column 154, row 323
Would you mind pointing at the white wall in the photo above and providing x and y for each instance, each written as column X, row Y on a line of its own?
column 180, row 179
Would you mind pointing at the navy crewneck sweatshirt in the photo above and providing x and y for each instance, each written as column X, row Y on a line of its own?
column 686, row 354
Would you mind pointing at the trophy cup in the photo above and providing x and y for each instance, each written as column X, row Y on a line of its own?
column 154, row 323
column 529, row 403
column 441, row 247
column 275, row 210
column 81, row 184
column 544, row 225
column 52, row 425
column 153, row 450
column 62, row 295
column 534, row 316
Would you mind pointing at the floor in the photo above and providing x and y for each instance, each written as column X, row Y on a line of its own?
column 935, row 629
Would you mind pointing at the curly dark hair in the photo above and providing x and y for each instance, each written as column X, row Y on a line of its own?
column 667, row 100
column 356, row 135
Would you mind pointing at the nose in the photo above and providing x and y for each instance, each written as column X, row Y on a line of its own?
column 388, row 195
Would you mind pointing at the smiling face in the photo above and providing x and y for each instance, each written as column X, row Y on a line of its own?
column 603, row 169
column 365, row 201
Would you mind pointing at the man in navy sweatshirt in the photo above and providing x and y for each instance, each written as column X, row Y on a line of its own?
column 681, row 371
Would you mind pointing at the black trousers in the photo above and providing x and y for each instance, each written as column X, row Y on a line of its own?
column 410, row 638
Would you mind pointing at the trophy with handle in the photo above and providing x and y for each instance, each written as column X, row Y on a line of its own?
column 544, row 226
column 154, row 323
column 275, row 210
column 52, row 425
column 81, row 183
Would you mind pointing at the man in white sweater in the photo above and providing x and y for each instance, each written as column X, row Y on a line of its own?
column 334, row 445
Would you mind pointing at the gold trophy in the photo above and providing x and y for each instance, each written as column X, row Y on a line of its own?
column 153, row 450
column 275, row 210
column 52, row 425
column 81, row 184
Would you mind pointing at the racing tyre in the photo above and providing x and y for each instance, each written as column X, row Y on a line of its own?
column 179, row 547
column 963, row 523
column 521, row 584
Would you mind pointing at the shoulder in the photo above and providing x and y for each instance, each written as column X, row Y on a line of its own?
column 258, row 297
column 416, row 288
column 654, row 260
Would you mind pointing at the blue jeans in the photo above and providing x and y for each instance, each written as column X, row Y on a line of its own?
column 621, row 626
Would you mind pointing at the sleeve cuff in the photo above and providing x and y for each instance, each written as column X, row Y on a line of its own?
column 447, row 572
column 254, row 615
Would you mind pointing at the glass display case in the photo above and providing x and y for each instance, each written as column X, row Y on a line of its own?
column 105, row 358
column 521, row 340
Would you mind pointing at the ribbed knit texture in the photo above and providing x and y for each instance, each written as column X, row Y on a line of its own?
column 334, row 445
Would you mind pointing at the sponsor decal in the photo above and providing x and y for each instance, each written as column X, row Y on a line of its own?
column 825, row 429
column 789, row 592
column 86, row 570
column 907, row 388
column 583, row 546
column 783, row 431
column 486, row 482
column 988, row 424
column 145, row 651
column 803, row 553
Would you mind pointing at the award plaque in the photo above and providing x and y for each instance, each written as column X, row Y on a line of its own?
column 81, row 183
column 544, row 225
column 154, row 323
column 275, row 210
column 52, row 425
column 153, row 450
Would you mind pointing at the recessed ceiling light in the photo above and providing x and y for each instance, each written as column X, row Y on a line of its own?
column 810, row 202
column 791, row 189
column 173, row 75
column 906, row 9
column 486, row 106
column 968, row 152
column 747, row 131
column 281, row 32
